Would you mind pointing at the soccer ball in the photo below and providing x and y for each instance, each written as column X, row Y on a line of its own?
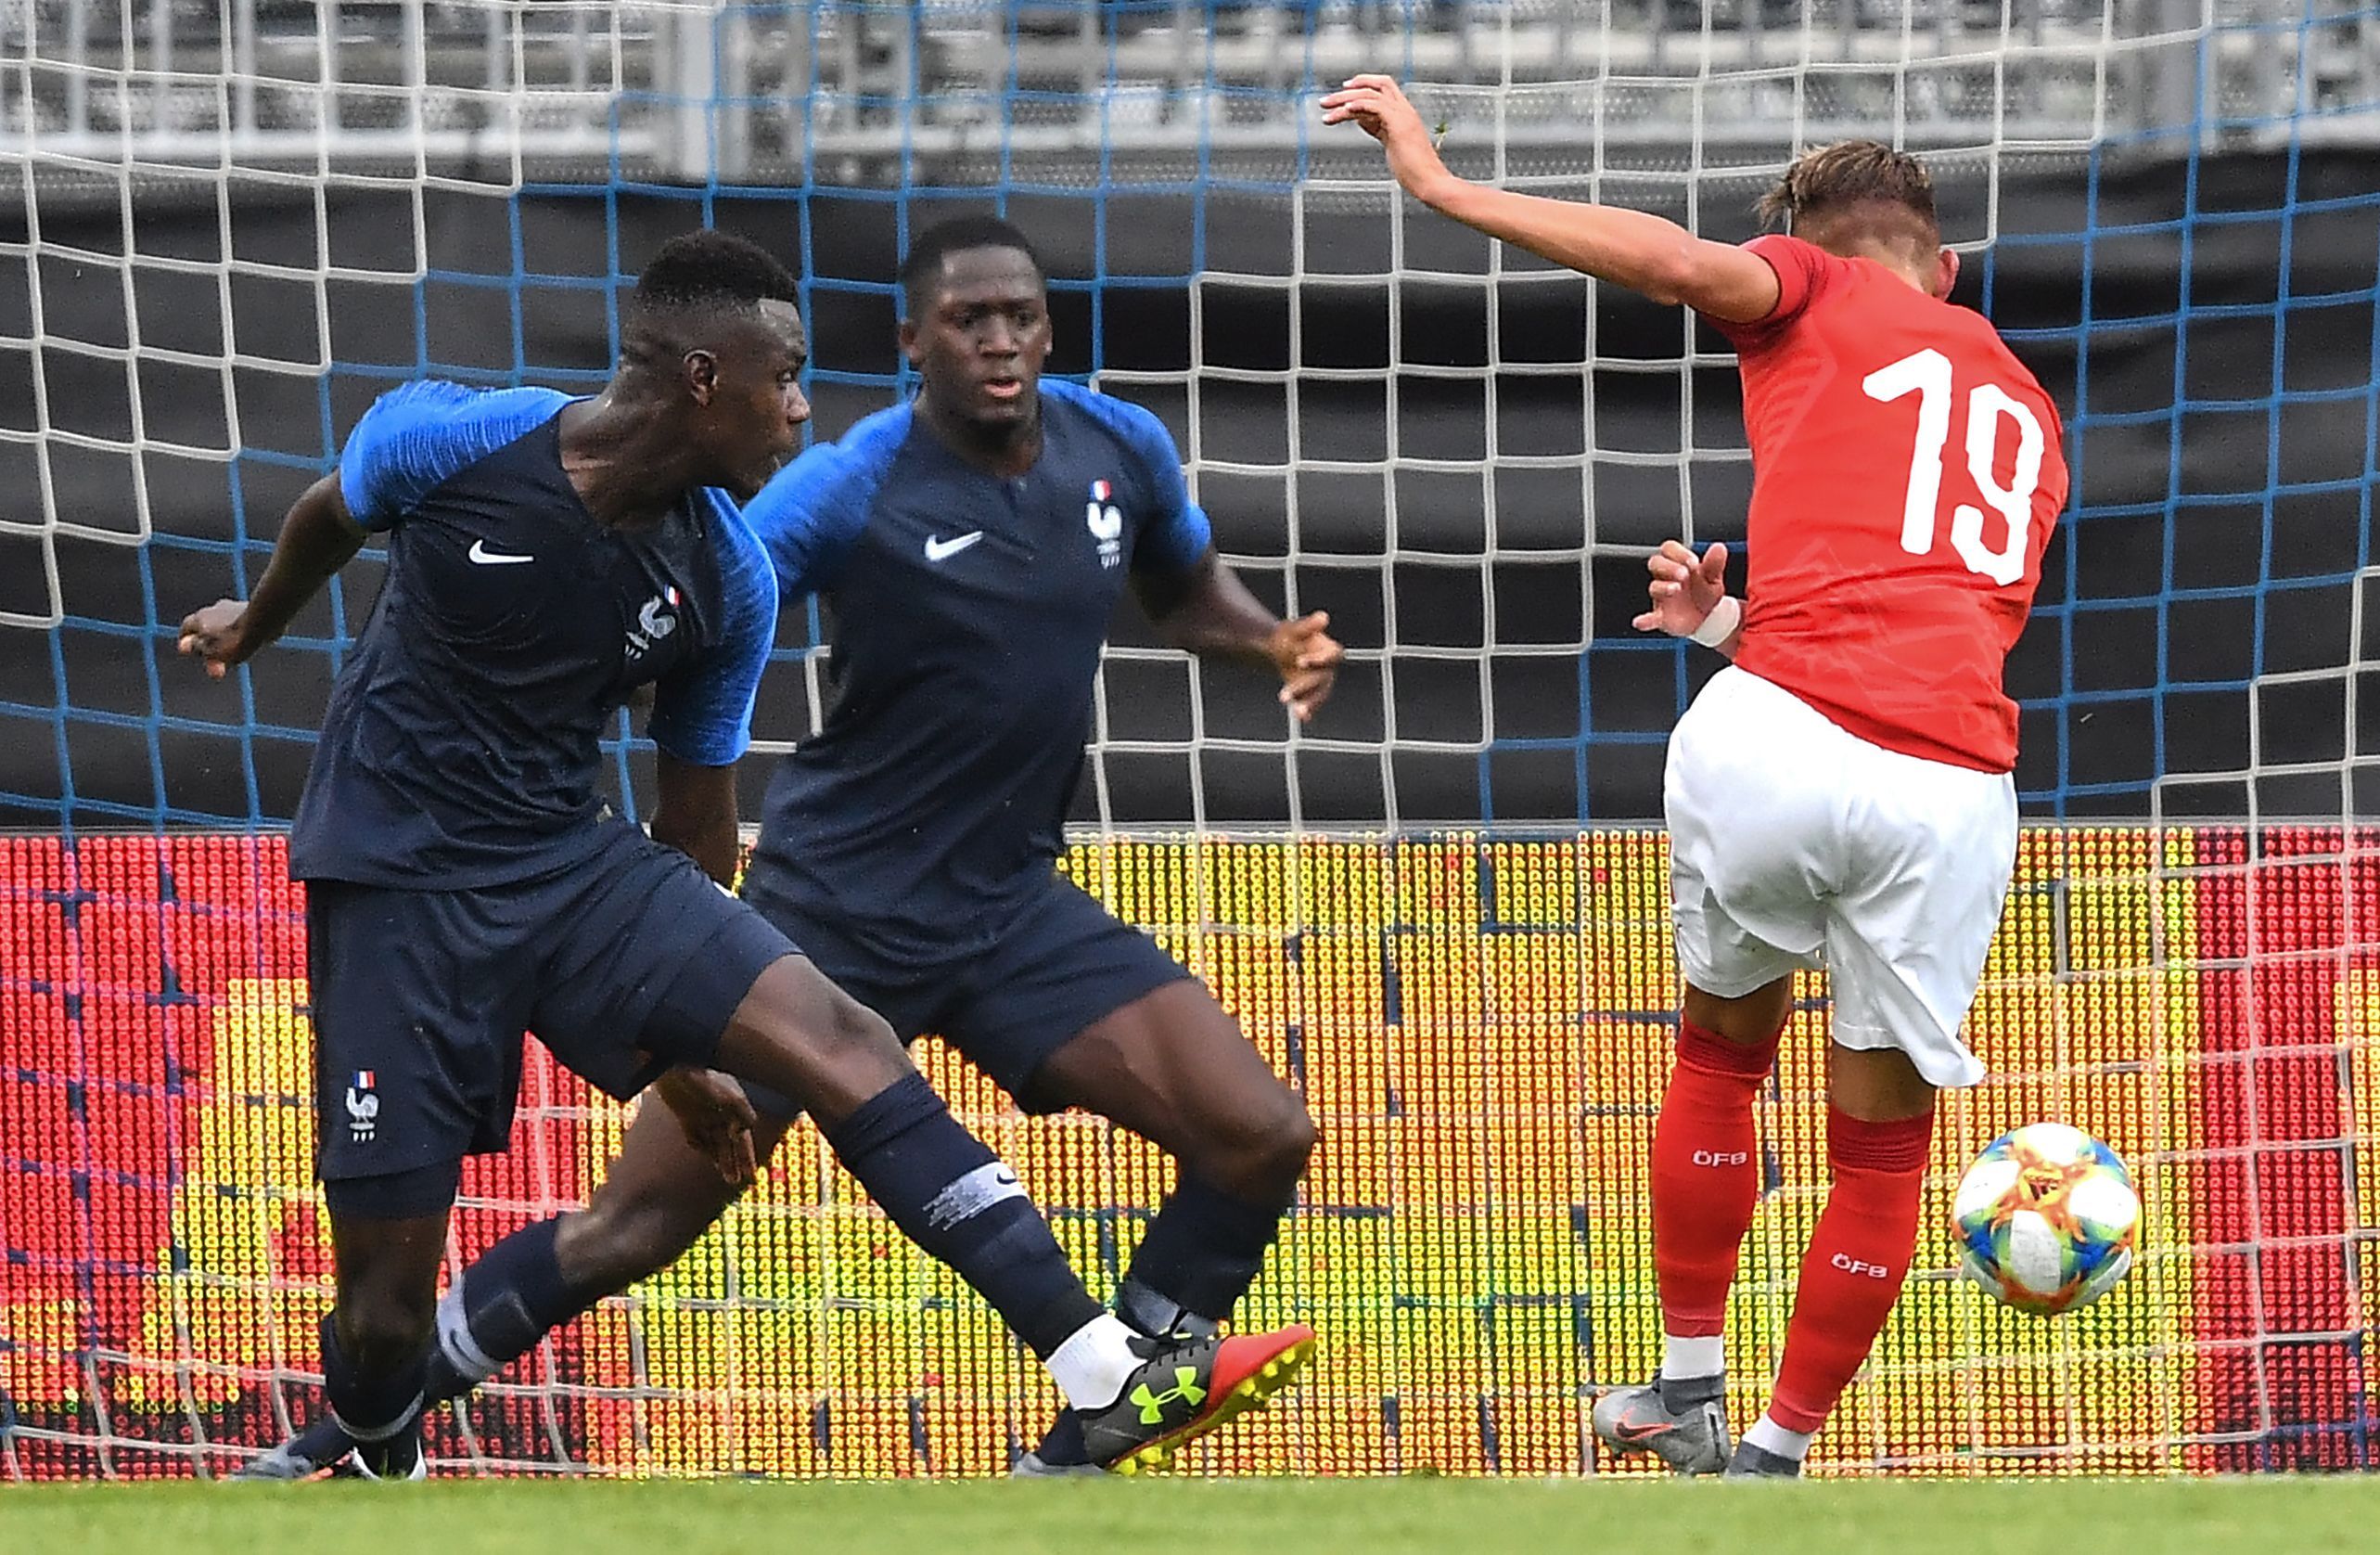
column 2046, row 1217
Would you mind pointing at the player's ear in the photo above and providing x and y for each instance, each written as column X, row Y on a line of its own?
column 910, row 348
column 698, row 370
column 1946, row 270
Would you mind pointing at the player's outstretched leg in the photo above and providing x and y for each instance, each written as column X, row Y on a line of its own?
column 1140, row 1399
column 1878, row 1134
column 1705, row 1181
column 1173, row 1067
column 658, row 1197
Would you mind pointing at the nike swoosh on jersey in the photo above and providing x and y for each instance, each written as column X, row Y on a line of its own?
column 938, row 550
column 486, row 558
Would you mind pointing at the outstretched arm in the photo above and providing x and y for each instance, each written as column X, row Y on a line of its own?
column 1643, row 253
column 318, row 537
column 1208, row 610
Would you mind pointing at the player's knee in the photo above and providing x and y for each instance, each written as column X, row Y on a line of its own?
column 1749, row 1020
column 799, row 1035
column 1263, row 1151
column 853, row 1025
column 821, row 1022
column 1289, row 1141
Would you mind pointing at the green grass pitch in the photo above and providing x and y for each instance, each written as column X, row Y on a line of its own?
column 1175, row 1517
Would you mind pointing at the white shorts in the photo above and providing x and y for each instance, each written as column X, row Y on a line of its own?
column 1794, row 843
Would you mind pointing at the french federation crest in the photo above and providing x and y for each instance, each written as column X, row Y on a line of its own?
column 1105, row 523
column 653, row 623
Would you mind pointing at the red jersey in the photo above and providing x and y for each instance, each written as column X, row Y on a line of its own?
column 1906, row 469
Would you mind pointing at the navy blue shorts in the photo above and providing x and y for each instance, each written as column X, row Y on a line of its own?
column 623, row 966
column 1063, row 964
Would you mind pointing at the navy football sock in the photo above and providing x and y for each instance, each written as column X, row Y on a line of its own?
column 381, row 1415
column 513, row 1296
column 956, row 1199
column 1062, row 1446
column 1197, row 1258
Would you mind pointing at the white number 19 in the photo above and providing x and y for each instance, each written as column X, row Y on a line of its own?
column 1928, row 374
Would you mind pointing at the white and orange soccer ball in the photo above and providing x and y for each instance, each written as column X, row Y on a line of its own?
column 2046, row 1218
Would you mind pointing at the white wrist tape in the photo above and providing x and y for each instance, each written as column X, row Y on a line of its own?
column 1721, row 623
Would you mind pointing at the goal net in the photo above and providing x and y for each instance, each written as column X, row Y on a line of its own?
column 1441, row 908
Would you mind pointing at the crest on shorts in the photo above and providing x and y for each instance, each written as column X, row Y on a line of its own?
column 362, row 1107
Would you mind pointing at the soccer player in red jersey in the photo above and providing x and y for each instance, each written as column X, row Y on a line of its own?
column 1841, row 796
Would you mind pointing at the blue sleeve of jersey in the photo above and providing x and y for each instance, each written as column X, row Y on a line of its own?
column 810, row 513
column 703, row 713
column 1177, row 534
column 418, row 435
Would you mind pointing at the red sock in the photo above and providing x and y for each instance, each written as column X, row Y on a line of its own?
column 1858, row 1257
column 1706, row 1175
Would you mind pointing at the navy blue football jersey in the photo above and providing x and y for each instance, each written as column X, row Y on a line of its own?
column 967, row 615
column 460, row 748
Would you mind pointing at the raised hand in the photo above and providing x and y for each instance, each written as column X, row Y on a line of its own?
column 1308, row 657
column 1378, row 105
column 1685, row 590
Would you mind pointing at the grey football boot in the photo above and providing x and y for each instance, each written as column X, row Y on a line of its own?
column 1691, row 1438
